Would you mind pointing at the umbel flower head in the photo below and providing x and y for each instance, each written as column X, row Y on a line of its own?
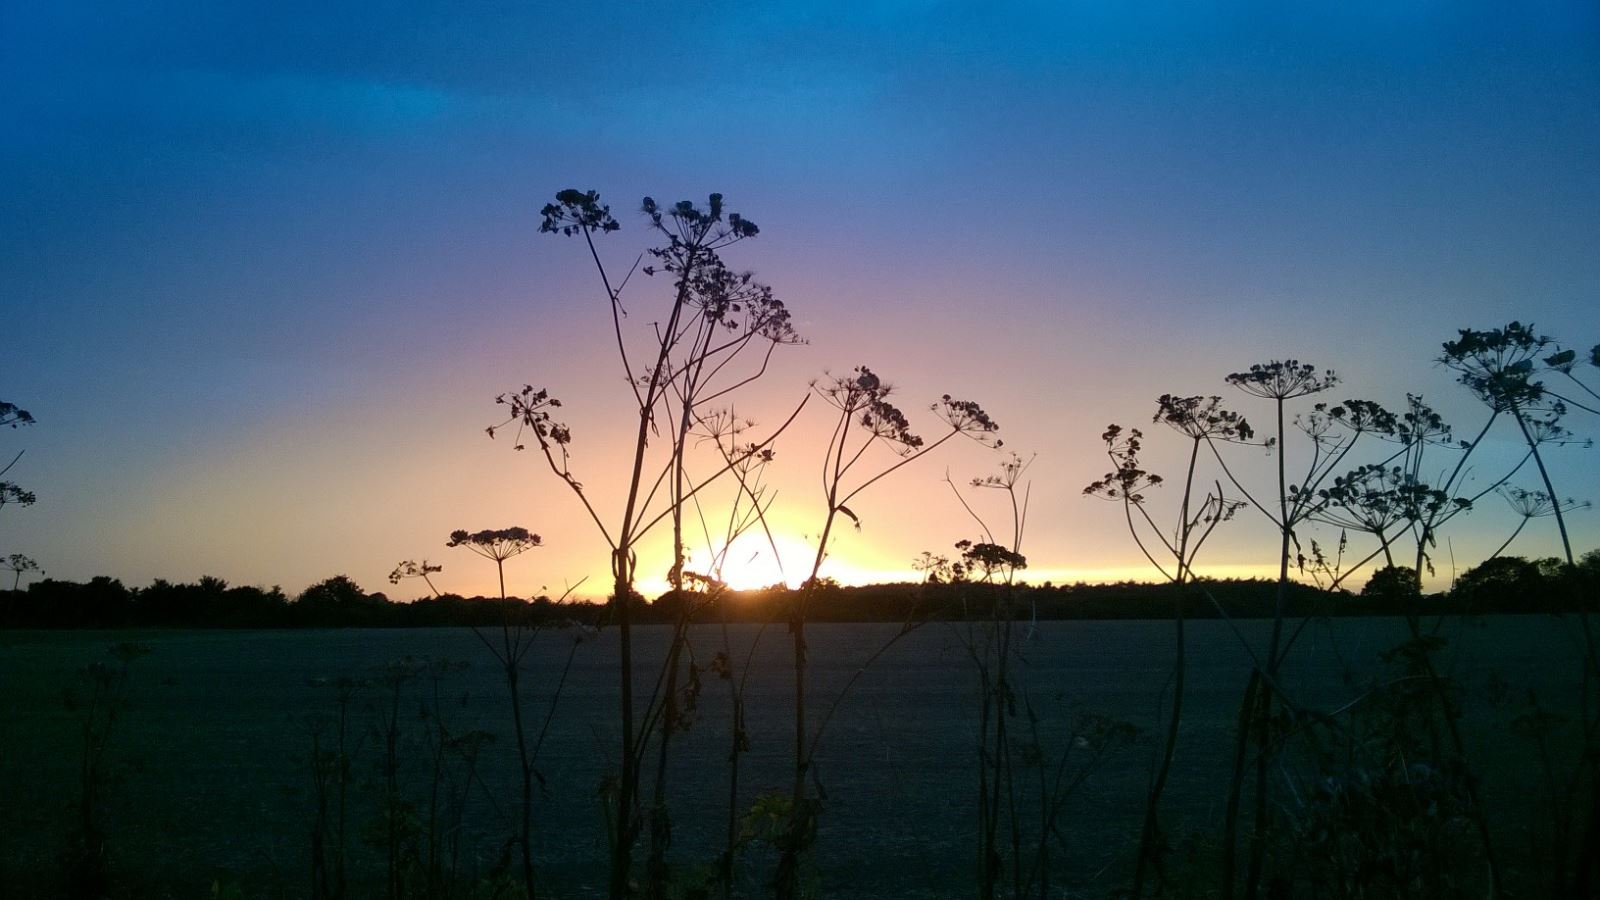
column 495, row 543
column 1498, row 364
column 1129, row 481
column 1283, row 380
column 410, row 568
column 865, row 397
column 1201, row 417
column 1537, row 504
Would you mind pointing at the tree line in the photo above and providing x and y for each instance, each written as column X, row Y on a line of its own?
column 1502, row 585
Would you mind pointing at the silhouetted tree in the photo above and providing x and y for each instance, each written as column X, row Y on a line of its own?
column 338, row 591
column 1394, row 586
column 1501, row 582
column 336, row 601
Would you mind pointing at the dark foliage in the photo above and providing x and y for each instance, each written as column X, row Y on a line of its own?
column 210, row 603
column 1507, row 584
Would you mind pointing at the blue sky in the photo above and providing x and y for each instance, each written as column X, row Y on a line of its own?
column 264, row 267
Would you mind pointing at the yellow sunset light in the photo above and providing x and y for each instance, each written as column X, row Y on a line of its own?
column 752, row 561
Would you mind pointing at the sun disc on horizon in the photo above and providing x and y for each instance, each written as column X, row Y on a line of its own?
column 752, row 562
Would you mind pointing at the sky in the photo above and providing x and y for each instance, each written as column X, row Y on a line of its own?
column 264, row 267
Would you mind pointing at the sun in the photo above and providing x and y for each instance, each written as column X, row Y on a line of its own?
column 753, row 562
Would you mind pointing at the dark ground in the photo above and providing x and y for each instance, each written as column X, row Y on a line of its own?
column 211, row 782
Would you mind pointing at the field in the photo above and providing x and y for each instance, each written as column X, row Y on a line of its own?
column 211, row 781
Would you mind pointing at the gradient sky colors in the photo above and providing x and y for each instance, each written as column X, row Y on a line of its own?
column 264, row 267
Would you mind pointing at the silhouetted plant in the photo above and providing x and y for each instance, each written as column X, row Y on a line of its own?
column 13, row 494
column 517, row 637
column 1378, row 825
column 1398, row 495
column 1007, row 753
column 726, row 312
column 1333, row 431
column 1280, row 381
column 1201, row 420
column 989, row 641
column 732, row 312
column 13, row 416
column 1543, row 729
column 1391, row 498
column 1387, row 502
column 1426, row 503
column 330, row 778
column 1391, row 808
column 866, row 418
column 19, row 564
column 396, row 830
column 1500, row 367
column 1387, row 499
column 420, row 844
column 1530, row 505
column 98, row 699
column 452, row 760
column 1564, row 361
column 991, row 646
column 714, row 314
column 412, row 569
column 698, row 591
column 496, row 545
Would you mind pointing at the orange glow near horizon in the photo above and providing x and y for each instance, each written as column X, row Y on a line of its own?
column 750, row 565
